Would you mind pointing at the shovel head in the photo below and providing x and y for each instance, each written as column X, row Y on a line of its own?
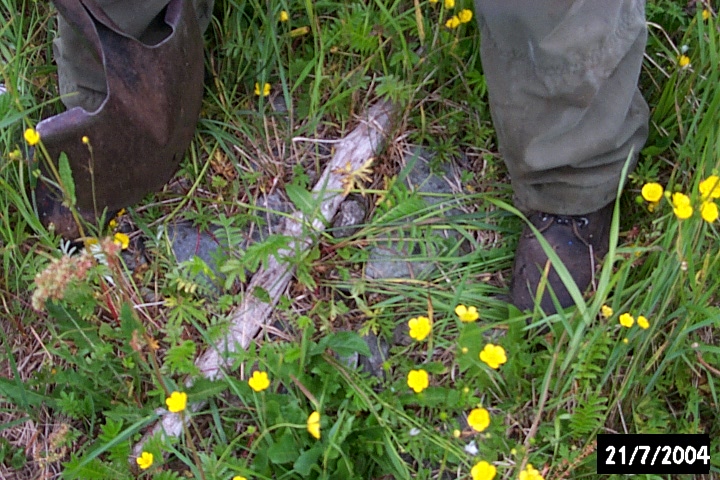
column 140, row 132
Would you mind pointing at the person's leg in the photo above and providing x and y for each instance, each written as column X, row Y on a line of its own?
column 562, row 83
column 80, row 75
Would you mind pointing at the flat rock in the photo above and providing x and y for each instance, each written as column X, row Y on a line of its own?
column 379, row 351
column 395, row 259
column 348, row 218
column 189, row 241
column 271, row 208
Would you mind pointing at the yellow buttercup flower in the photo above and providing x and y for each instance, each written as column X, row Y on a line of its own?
column 530, row 473
column 313, row 425
column 483, row 471
column 705, row 14
column 449, row 4
column 32, row 136
column 239, row 477
column 466, row 314
column 433, row 1
column 710, row 187
column 684, row 212
column 493, row 356
column 465, row 15
column 681, row 206
column 709, row 211
column 606, row 311
column 643, row 322
column 145, row 460
column 121, row 240
column 265, row 89
column 652, row 192
column 478, row 419
column 418, row 380
column 420, row 328
column 284, row 16
column 683, row 61
column 626, row 320
column 680, row 199
column 453, row 22
column 176, row 402
column 259, row 381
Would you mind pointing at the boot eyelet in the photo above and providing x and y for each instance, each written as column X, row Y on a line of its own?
column 582, row 222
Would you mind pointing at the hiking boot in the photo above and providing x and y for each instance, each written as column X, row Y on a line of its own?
column 581, row 242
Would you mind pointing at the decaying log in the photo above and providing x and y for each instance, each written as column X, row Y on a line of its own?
column 351, row 153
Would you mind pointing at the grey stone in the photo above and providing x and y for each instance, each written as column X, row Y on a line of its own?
column 351, row 214
column 394, row 259
column 271, row 210
column 279, row 104
column 188, row 241
column 379, row 351
column 350, row 361
column 422, row 179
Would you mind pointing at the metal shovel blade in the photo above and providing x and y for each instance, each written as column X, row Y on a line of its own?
column 140, row 132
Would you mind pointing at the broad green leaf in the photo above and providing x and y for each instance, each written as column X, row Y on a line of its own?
column 344, row 344
column 306, row 460
column 284, row 450
column 302, row 199
column 20, row 395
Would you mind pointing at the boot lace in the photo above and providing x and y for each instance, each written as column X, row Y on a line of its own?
column 574, row 221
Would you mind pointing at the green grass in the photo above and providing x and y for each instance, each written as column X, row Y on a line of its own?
column 80, row 381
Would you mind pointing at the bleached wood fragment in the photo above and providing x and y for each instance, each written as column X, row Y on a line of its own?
column 248, row 318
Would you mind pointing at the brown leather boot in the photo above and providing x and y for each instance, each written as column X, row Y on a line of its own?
column 581, row 242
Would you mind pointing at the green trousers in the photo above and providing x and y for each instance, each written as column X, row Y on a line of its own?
column 80, row 75
column 562, row 81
